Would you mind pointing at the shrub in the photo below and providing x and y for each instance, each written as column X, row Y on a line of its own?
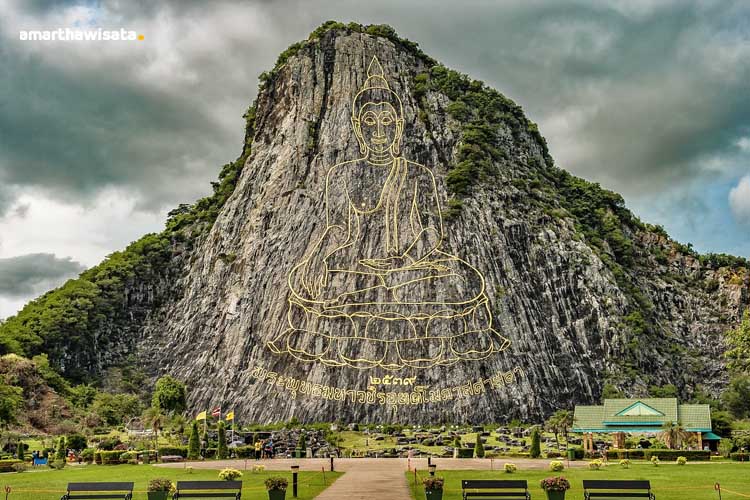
column 479, row 447
column 596, row 464
column 556, row 466
column 7, row 464
column 229, row 474
column 161, row 484
column 259, row 468
column 740, row 457
column 625, row 463
column 19, row 467
column 433, row 483
column 244, row 452
column 553, row 454
column 57, row 464
column 558, row 483
column 536, row 449
column 276, row 483
column 173, row 451
column 221, row 449
column 510, row 468
column 690, row 455
column 76, row 442
column 61, row 450
column 466, row 453
column 577, row 452
column 110, row 457
column 655, row 461
column 194, row 443
column 681, row 460
column 87, row 455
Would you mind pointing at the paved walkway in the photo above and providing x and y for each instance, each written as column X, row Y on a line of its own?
column 370, row 478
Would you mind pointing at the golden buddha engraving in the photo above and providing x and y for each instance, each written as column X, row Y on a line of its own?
column 378, row 290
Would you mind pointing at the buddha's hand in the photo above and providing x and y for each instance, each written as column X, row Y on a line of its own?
column 315, row 276
column 387, row 264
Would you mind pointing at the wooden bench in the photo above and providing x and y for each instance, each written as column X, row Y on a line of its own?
column 488, row 489
column 123, row 491
column 208, row 489
column 597, row 488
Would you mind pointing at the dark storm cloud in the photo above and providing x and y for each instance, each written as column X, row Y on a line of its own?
column 30, row 274
column 639, row 95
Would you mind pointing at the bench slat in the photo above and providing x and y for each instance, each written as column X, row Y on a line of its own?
column 469, row 484
column 502, row 496
column 120, row 496
column 209, row 485
column 615, row 494
column 205, row 495
column 603, row 484
column 491, row 494
column 100, row 487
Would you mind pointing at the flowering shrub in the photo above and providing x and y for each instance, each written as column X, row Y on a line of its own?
column 161, row 484
column 681, row 460
column 189, row 469
column 259, row 468
column 655, row 461
column 433, row 483
column 556, row 466
column 596, row 464
column 510, row 468
column 625, row 463
column 276, row 483
column 229, row 474
column 558, row 483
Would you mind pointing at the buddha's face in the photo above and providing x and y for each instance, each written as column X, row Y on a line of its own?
column 378, row 126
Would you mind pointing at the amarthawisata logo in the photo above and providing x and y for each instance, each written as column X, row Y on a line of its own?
column 80, row 35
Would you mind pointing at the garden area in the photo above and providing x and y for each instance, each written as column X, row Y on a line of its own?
column 669, row 481
column 44, row 483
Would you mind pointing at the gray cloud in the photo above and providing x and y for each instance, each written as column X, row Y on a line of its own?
column 739, row 200
column 643, row 96
column 31, row 274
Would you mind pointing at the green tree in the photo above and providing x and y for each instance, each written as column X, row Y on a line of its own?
column 221, row 448
column 536, row 443
column 302, row 442
column 479, row 447
column 154, row 418
column 76, row 442
column 61, row 449
column 170, row 395
column 457, row 442
column 11, row 400
column 194, row 443
column 721, row 423
column 116, row 409
column 736, row 396
column 559, row 423
column 82, row 396
column 726, row 445
column 739, row 341
column 664, row 391
column 21, row 451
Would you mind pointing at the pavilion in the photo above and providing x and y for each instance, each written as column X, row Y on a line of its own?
column 641, row 416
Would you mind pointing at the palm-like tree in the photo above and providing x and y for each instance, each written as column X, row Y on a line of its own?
column 154, row 418
column 559, row 423
column 673, row 434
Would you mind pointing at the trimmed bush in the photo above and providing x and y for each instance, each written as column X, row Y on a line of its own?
column 510, row 468
column 578, row 452
column 173, row 450
column 466, row 453
column 681, row 460
column 740, row 457
column 230, row 474
column 7, row 465
column 111, row 457
column 671, row 455
column 596, row 464
column 244, row 452
column 625, row 463
column 556, row 466
column 536, row 446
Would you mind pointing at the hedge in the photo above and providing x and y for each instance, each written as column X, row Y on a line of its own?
column 245, row 451
column 173, row 451
column 740, row 457
column 632, row 454
column 7, row 465
column 671, row 455
column 466, row 453
column 110, row 457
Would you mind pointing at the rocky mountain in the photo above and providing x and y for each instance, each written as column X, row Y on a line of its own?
column 395, row 243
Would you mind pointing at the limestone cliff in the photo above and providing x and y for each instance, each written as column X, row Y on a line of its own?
column 584, row 292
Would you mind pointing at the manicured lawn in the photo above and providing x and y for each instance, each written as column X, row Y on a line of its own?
column 47, row 484
column 669, row 481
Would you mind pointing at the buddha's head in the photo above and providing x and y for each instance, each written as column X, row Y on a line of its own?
column 377, row 115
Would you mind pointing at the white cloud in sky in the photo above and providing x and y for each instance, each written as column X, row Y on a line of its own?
column 739, row 200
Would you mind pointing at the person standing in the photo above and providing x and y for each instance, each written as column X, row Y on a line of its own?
column 258, row 449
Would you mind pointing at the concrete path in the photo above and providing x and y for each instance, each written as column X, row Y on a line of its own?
column 371, row 478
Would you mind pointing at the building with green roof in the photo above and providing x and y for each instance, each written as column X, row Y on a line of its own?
column 647, row 415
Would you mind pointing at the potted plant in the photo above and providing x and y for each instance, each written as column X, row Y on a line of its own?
column 433, row 488
column 160, row 488
column 276, row 487
column 555, row 487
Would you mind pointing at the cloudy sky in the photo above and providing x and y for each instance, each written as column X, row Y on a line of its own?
column 98, row 140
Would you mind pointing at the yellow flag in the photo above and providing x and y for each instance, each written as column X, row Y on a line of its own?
column 230, row 416
column 201, row 415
